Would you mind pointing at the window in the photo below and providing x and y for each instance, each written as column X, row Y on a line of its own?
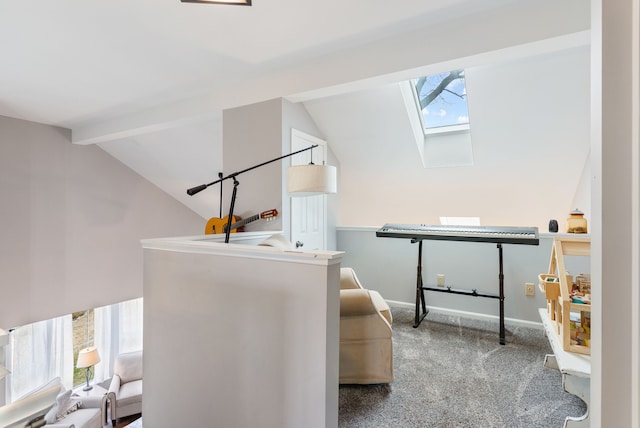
column 44, row 350
column 37, row 353
column 82, row 338
column 442, row 101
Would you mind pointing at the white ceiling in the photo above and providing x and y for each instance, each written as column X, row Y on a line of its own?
column 148, row 80
column 72, row 63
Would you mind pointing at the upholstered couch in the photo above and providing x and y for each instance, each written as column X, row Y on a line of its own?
column 125, row 390
column 366, row 346
column 54, row 406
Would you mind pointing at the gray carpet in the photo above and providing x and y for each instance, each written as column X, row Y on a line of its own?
column 452, row 372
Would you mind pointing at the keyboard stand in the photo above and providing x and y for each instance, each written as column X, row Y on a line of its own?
column 420, row 289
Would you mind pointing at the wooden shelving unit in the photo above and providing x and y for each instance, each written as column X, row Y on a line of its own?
column 557, row 285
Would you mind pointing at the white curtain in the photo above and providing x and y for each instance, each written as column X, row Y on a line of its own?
column 130, row 326
column 42, row 351
column 118, row 329
column 102, row 341
column 39, row 352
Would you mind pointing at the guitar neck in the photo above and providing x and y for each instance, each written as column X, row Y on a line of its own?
column 245, row 221
column 266, row 215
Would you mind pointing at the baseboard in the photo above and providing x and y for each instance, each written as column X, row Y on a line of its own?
column 474, row 315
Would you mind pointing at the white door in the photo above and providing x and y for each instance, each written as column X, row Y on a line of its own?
column 308, row 213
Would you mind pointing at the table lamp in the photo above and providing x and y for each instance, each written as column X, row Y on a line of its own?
column 87, row 358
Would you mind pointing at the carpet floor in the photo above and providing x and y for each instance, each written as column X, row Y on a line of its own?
column 452, row 372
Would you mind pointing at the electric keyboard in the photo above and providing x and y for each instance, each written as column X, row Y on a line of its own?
column 495, row 234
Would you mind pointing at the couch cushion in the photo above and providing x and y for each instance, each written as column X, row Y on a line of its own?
column 130, row 392
column 128, row 366
column 84, row 418
column 58, row 410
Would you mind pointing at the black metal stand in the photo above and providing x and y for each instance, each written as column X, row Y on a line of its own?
column 220, row 175
column 227, row 231
column 420, row 289
column 192, row 191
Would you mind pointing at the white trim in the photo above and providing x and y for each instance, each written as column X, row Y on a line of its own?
column 516, row 322
column 358, row 228
column 412, row 106
column 199, row 245
column 635, row 217
column 446, row 129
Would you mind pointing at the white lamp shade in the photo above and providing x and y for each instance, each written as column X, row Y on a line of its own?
column 88, row 357
column 304, row 180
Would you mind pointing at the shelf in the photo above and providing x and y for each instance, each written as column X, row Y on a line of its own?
column 557, row 285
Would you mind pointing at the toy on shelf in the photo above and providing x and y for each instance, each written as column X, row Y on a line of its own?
column 569, row 300
column 576, row 223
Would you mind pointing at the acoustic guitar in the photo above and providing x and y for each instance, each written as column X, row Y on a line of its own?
column 219, row 225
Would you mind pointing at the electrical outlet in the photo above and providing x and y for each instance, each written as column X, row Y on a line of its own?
column 440, row 280
column 529, row 289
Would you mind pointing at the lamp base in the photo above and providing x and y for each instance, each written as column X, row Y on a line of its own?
column 88, row 387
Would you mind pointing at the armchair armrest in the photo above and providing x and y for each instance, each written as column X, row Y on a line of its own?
column 111, row 398
column 96, row 402
column 114, row 386
column 348, row 279
column 93, row 402
column 356, row 302
column 59, row 425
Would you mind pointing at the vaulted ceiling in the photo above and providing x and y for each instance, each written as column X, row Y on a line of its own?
column 148, row 80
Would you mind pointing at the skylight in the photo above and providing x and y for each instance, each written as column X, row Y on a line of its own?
column 442, row 100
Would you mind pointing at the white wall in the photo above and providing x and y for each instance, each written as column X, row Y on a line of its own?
column 72, row 217
column 240, row 336
column 530, row 141
column 295, row 116
column 252, row 135
column 258, row 133
column 388, row 265
column 615, row 386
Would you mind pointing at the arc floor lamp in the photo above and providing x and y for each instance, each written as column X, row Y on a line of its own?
column 302, row 180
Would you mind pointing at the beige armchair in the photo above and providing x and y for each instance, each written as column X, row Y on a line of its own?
column 125, row 390
column 366, row 347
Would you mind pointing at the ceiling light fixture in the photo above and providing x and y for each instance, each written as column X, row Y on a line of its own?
column 236, row 2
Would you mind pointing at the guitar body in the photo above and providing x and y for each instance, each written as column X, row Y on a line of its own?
column 217, row 225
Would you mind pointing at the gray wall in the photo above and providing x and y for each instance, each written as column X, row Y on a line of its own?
column 72, row 220
column 388, row 265
column 295, row 116
column 615, row 366
column 529, row 140
column 262, row 329
column 251, row 136
column 255, row 134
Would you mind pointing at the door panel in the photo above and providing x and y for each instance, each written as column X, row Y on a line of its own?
column 308, row 213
